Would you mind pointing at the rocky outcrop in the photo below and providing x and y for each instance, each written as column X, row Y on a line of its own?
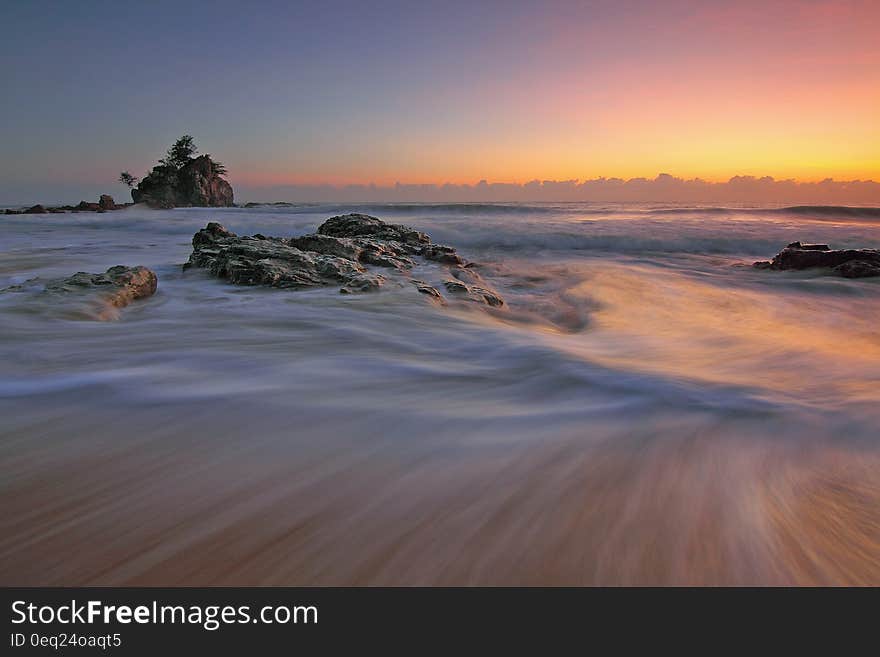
column 850, row 263
column 273, row 261
column 158, row 189
column 364, row 225
column 104, row 204
column 343, row 252
column 198, row 183
column 93, row 296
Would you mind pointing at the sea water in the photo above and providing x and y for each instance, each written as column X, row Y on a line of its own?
column 646, row 408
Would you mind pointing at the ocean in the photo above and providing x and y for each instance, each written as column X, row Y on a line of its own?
column 647, row 408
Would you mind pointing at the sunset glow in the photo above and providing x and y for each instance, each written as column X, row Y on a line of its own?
column 505, row 92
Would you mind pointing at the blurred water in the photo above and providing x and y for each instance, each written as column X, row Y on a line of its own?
column 647, row 408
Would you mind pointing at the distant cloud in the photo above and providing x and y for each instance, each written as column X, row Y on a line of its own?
column 663, row 188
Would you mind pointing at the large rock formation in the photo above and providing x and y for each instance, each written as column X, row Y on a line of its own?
column 200, row 185
column 92, row 296
column 197, row 183
column 851, row 263
column 342, row 253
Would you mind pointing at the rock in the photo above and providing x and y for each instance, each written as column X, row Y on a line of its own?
column 338, row 254
column 91, row 296
column 456, row 287
column 857, row 269
column 474, row 293
column 429, row 290
column 272, row 261
column 118, row 286
column 809, row 247
column 158, row 189
column 851, row 263
column 106, row 203
column 440, row 253
column 196, row 183
column 363, row 225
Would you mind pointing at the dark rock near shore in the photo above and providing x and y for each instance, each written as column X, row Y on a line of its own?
column 93, row 296
column 364, row 225
column 858, row 269
column 850, row 263
column 340, row 253
column 273, row 261
column 106, row 202
column 35, row 209
column 118, row 286
column 473, row 292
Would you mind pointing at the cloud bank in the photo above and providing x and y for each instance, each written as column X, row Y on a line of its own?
column 663, row 188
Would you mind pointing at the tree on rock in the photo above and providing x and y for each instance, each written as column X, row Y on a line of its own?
column 127, row 179
column 180, row 153
column 218, row 168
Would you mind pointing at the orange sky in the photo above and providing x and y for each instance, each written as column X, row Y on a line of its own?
column 790, row 90
column 350, row 93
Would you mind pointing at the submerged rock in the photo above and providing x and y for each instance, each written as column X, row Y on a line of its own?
column 340, row 253
column 474, row 292
column 430, row 290
column 858, row 269
column 850, row 263
column 93, row 296
column 118, row 286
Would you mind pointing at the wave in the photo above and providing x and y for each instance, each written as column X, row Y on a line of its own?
column 427, row 208
column 833, row 210
column 814, row 211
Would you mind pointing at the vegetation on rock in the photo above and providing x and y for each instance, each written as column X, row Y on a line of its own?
column 182, row 180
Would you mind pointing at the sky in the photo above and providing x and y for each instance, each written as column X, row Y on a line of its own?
column 298, row 96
